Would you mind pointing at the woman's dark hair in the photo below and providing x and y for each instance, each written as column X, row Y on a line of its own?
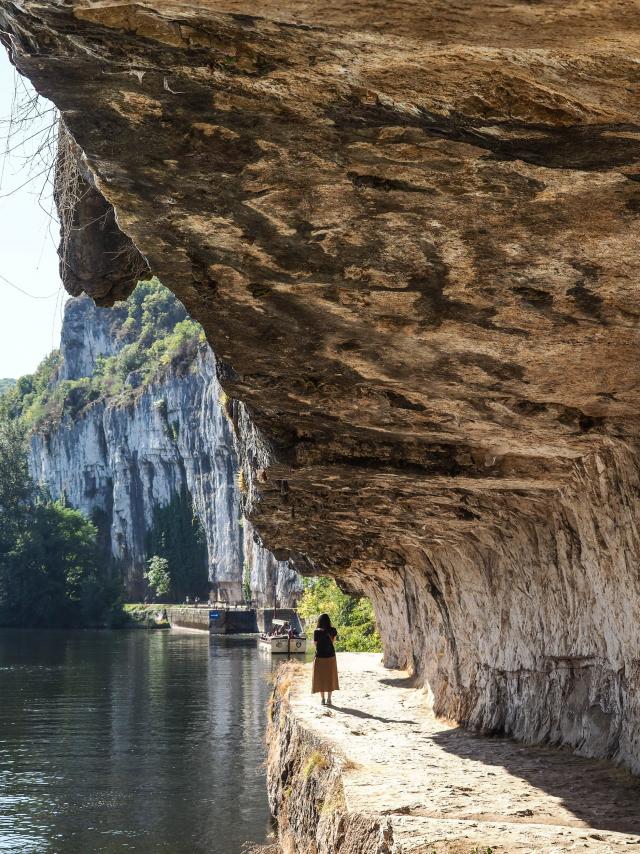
column 324, row 622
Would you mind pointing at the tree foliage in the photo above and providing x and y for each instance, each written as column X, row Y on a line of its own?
column 158, row 576
column 178, row 536
column 352, row 616
column 15, row 484
column 49, row 565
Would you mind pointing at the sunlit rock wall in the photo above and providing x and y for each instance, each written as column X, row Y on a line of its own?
column 531, row 621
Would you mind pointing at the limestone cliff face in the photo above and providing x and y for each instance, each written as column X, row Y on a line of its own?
column 119, row 463
column 410, row 233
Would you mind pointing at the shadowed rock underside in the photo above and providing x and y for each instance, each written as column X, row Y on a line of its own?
column 410, row 233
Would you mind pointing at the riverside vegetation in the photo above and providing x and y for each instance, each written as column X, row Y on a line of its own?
column 352, row 616
column 49, row 560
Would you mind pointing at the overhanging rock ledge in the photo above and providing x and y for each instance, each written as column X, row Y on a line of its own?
column 411, row 232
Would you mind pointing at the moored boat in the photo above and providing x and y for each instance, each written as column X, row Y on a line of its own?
column 282, row 644
column 298, row 646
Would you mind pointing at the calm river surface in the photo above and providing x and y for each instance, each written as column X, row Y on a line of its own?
column 131, row 741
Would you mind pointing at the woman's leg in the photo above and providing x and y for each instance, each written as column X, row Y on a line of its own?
column 322, row 695
column 329, row 698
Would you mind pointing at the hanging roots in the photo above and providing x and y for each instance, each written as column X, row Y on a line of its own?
column 68, row 187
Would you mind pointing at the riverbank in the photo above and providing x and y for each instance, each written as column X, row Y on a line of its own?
column 143, row 616
column 128, row 616
column 378, row 773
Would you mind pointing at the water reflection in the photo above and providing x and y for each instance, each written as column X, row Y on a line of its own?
column 131, row 741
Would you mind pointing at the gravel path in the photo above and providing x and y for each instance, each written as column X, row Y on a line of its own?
column 446, row 790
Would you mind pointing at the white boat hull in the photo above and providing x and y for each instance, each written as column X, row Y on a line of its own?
column 284, row 645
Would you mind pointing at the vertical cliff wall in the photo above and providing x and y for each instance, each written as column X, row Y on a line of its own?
column 410, row 233
column 119, row 461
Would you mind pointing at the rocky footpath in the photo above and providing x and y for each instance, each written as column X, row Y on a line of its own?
column 410, row 233
column 118, row 462
column 377, row 773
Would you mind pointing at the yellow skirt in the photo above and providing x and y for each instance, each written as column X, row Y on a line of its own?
column 325, row 675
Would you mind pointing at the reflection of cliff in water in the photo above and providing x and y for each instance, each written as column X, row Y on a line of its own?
column 136, row 741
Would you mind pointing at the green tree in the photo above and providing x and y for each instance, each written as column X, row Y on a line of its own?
column 15, row 484
column 246, row 581
column 158, row 575
column 352, row 616
column 50, row 572
column 177, row 535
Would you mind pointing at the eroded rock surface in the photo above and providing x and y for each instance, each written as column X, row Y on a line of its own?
column 410, row 232
column 96, row 257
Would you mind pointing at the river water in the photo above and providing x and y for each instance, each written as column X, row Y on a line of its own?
column 131, row 741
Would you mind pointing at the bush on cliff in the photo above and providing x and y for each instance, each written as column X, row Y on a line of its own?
column 49, row 565
column 352, row 616
column 155, row 334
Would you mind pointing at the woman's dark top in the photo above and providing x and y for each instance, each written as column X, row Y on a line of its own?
column 324, row 642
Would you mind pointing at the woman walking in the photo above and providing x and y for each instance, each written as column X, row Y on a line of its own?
column 325, row 668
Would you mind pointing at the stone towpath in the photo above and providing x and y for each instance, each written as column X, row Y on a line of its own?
column 442, row 789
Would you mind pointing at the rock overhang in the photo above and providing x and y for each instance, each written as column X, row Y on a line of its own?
column 411, row 234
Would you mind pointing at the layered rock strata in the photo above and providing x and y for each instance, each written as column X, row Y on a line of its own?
column 410, row 233
column 118, row 463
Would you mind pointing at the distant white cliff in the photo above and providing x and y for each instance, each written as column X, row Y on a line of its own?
column 119, row 461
